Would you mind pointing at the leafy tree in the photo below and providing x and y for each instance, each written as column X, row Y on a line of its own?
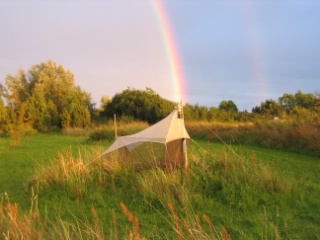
column 65, row 119
column 48, row 90
column 2, row 110
column 288, row 102
column 256, row 109
column 228, row 106
column 58, row 87
column 270, row 107
column 225, row 116
column 203, row 113
column 15, row 123
column 317, row 104
column 17, row 90
column 307, row 101
column 196, row 112
column 56, row 82
column 244, row 116
column 104, row 101
column 14, row 117
column 213, row 113
column 187, row 111
column 37, row 109
column 140, row 105
column 78, row 108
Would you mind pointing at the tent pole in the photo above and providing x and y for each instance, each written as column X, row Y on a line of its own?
column 185, row 150
column 185, row 153
column 186, row 160
column 115, row 126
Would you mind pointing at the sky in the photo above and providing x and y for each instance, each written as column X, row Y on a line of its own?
column 246, row 51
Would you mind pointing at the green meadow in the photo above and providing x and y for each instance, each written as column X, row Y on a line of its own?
column 55, row 186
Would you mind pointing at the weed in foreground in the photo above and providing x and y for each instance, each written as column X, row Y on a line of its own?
column 135, row 230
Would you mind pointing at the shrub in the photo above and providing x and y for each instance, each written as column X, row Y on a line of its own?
column 108, row 132
column 75, row 132
column 101, row 134
column 28, row 132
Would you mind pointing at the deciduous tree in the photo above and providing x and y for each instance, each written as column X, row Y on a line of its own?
column 47, row 91
column 144, row 105
column 288, row 102
column 270, row 107
column 228, row 106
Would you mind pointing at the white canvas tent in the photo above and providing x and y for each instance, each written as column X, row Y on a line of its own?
column 164, row 143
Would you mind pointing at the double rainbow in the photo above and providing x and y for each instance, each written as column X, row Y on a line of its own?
column 172, row 53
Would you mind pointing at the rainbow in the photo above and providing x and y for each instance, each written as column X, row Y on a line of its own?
column 172, row 53
column 259, row 73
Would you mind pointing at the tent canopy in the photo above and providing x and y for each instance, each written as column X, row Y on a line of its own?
column 167, row 130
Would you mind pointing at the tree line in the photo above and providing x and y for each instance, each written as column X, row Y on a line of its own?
column 46, row 98
column 289, row 105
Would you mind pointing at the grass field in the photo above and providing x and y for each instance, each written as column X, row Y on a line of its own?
column 237, row 192
column 17, row 163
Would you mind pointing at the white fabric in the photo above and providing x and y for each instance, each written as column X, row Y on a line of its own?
column 168, row 129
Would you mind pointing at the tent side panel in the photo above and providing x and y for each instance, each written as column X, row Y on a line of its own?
column 145, row 155
column 121, row 154
column 176, row 153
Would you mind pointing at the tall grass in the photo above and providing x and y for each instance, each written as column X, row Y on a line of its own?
column 228, row 193
column 311, row 135
column 238, row 180
column 292, row 135
column 30, row 226
column 72, row 171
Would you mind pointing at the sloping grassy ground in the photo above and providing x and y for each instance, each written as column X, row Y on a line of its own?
column 242, row 193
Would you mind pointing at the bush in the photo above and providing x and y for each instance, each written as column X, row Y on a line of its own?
column 108, row 133
column 76, row 132
column 101, row 134
column 29, row 131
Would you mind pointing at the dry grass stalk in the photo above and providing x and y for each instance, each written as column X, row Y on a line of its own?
column 14, row 226
column 253, row 157
column 226, row 235
column 178, row 228
column 207, row 219
column 115, row 225
column 97, row 225
column 190, row 227
column 134, row 232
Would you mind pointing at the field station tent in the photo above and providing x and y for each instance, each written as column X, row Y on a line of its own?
column 163, row 144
